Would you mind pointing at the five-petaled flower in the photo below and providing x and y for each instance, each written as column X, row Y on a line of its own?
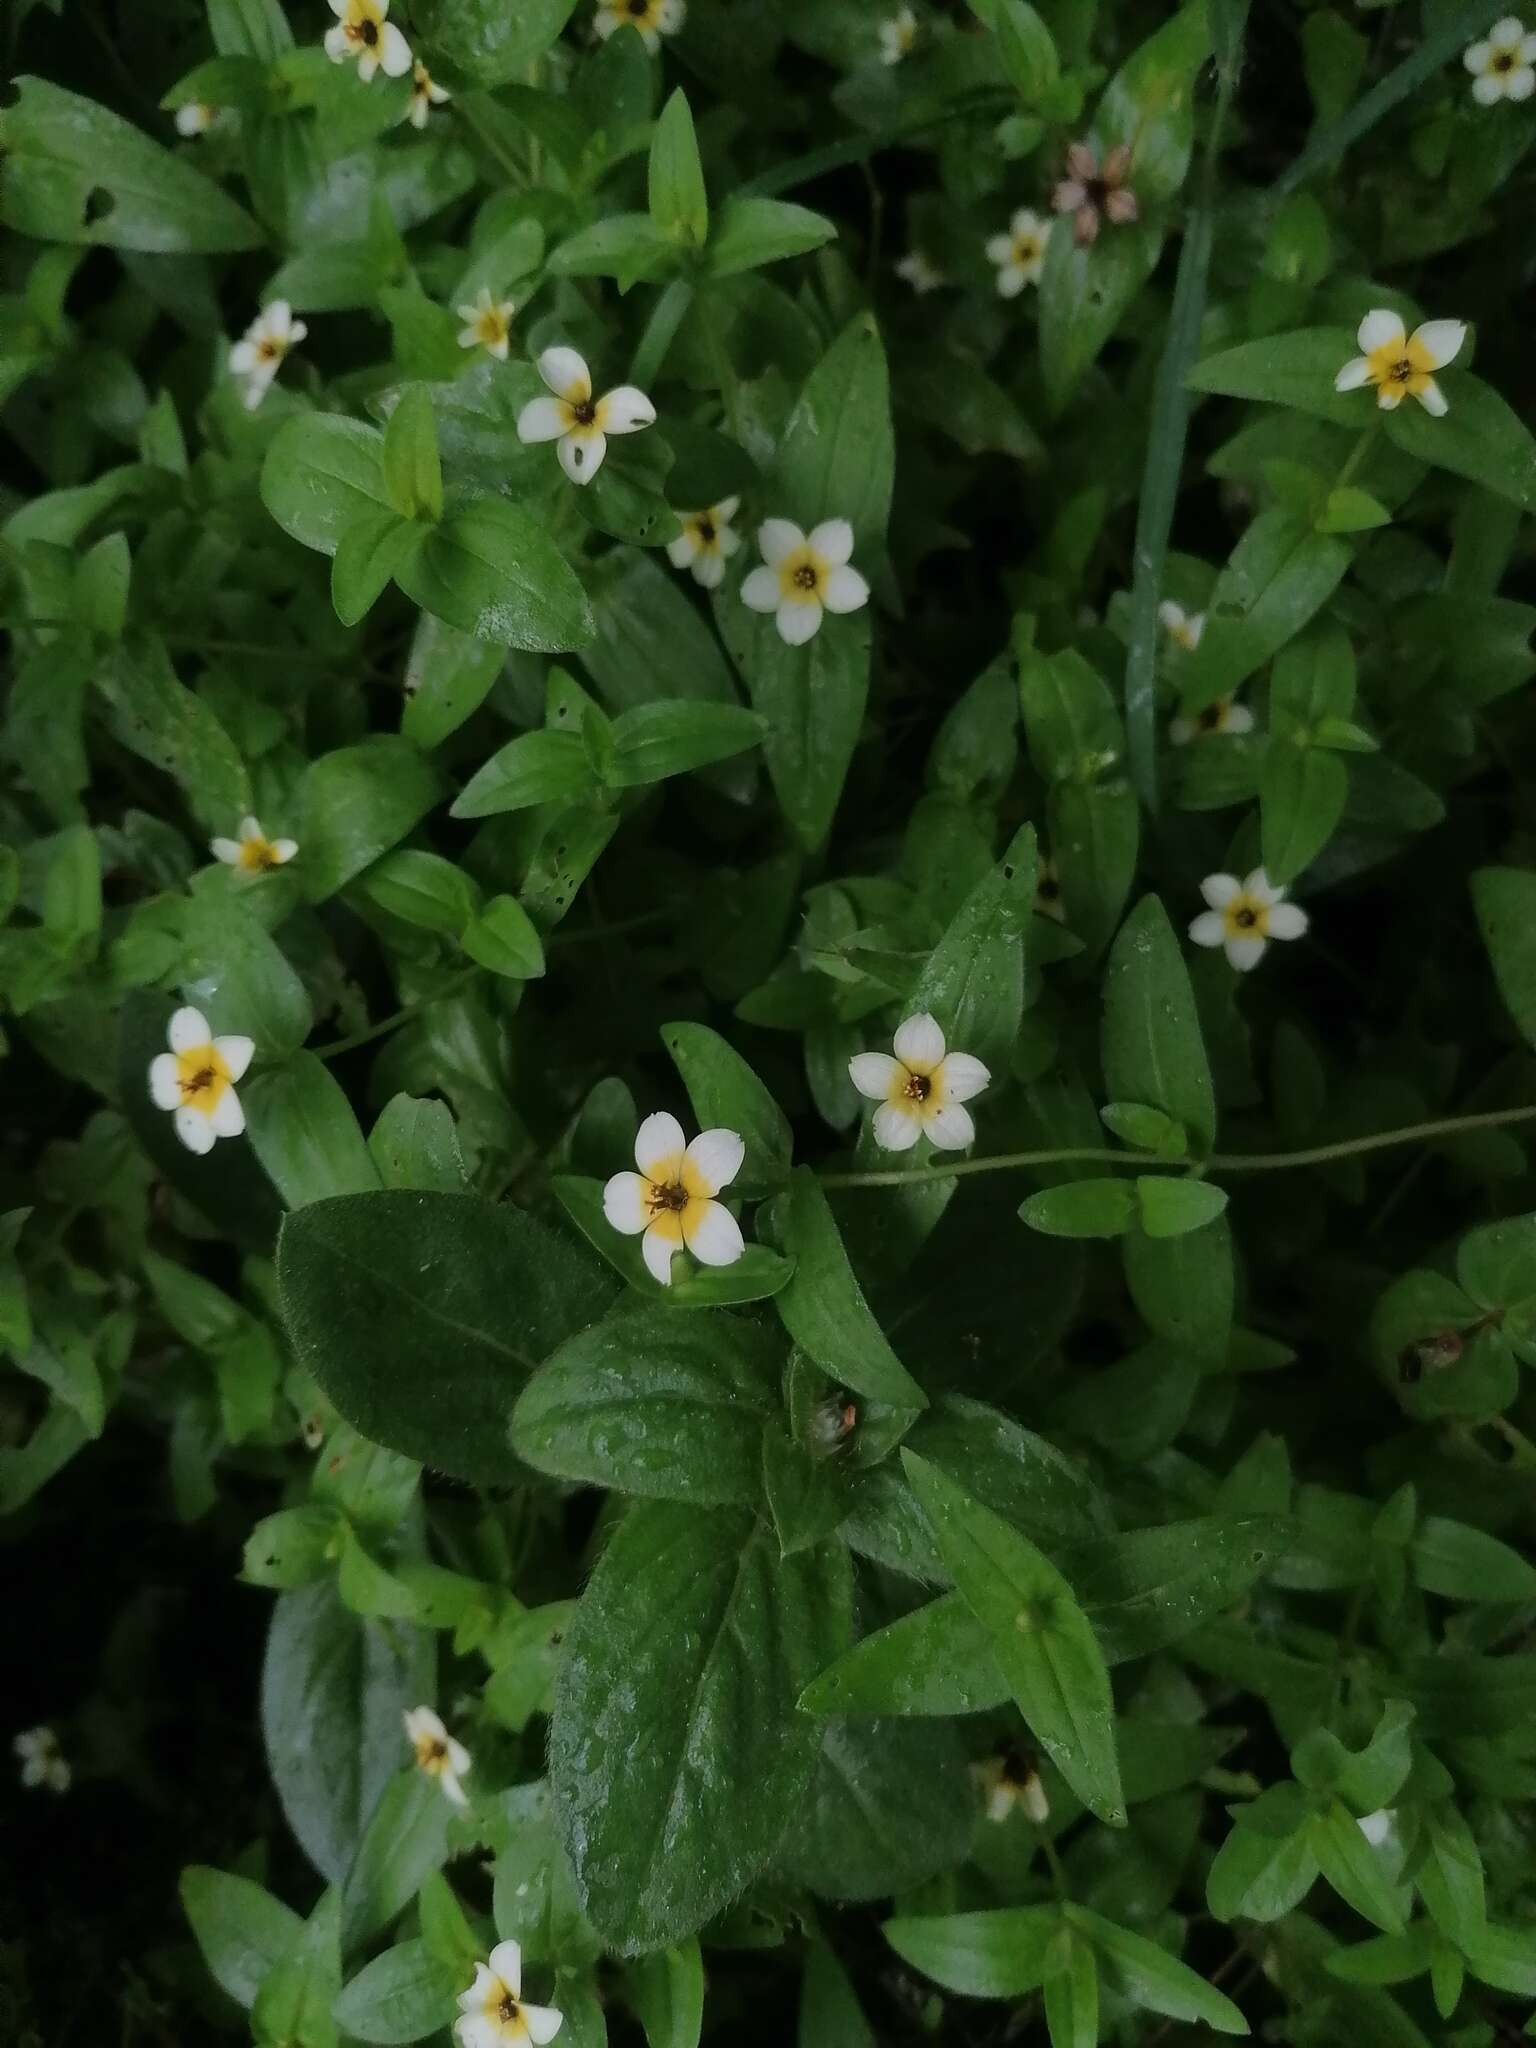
column 492, row 2012
column 1226, row 715
column 921, row 1090
column 42, row 1761
column 437, row 1754
column 426, row 94
column 577, row 420
column 897, row 35
column 195, row 118
column 672, row 1197
column 1181, row 626
column 487, row 324
column 258, row 356
column 1399, row 364
column 362, row 32
column 803, row 576
column 1093, row 191
column 1244, row 916
column 253, row 853
column 1010, row 1783
column 1503, row 65
column 706, row 543
column 920, row 272
column 196, row 1079
column 653, row 18
column 1020, row 254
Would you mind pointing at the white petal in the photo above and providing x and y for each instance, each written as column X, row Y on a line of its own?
column 1011, row 280
column 394, row 52
column 1381, row 329
column 1181, row 732
column 657, row 1252
column 1376, row 1827
column 165, row 1081
column 760, row 591
column 999, row 248
column 452, row 1790
column 581, row 456
column 477, row 2030
column 713, row 1235
column 421, row 1721
column 875, row 1074
column 1519, row 85
column 1475, row 56
column 624, row 1203
column 1256, row 883
column 833, row 540
column 1526, row 50
column 716, row 1157
column 1506, row 31
column 961, row 1075
column 845, row 591
column 1488, row 89
column 1218, row 890
column 226, row 850
column 680, row 552
column 188, row 1031
column 799, row 621
column 625, row 410
column 367, row 67
column 1287, row 921
column 472, row 2000
column 1432, row 398
column 507, row 1964
column 1355, row 372
column 950, row 1129
column 338, row 46
column 709, row 570
column 1209, row 928
column 1170, row 615
column 283, row 850
column 236, row 1053
column 659, row 1143
column 778, row 538
column 242, row 359
column 670, row 16
column 542, row 2022
column 1389, row 396
column 919, row 1043
column 1239, row 719
column 1441, row 340
column 228, row 1118
column 566, row 374
column 896, row 1129
column 1245, row 954
column 541, row 419
column 250, row 828
column 459, row 1758
column 195, row 1130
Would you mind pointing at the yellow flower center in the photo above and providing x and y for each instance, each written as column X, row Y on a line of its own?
column 490, row 326
column 1026, row 250
column 1246, row 919
column 918, row 1088
column 802, row 576
column 1403, row 363
column 642, row 13
column 675, row 1198
column 431, row 1753
column 261, row 854
column 202, row 1077
column 1503, row 60
column 704, row 531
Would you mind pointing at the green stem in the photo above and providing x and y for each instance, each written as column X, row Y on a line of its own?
column 667, row 315
column 489, row 142
column 1218, row 1162
column 1054, row 1865
column 858, row 149
column 395, row 1019
column 1518, row 1441
column 1358, row 453
column 725, row 369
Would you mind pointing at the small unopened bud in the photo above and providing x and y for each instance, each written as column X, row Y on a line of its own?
column 1433, row 1354
column 831, row 1424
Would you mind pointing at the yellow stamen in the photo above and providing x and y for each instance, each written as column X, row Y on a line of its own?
column 202, row 1077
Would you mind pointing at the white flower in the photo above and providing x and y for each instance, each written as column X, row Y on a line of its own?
column 259, row 355
column 672, row 1197
column 577, row 420
column 1225, row 715
column 1020, row 254
column 804, row 576
column 1377, row 1827
column 253, row 853
column 653, row 18
column 196, row 1079
column 1399, row 364
column 1009, row 1783
column 706, row 543
column 425, row 95
column 492, row 2011
column 195, row 118
column 362, row 32
column 920, row 1091
column 437, row 1753
column 916, row 270
column 1180, row 625
column 1244, row 916
column 1503, row 65
column 43, row 1763
column 897, row 35
column 487, row 324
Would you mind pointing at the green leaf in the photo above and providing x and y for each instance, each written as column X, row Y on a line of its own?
column 1505, row 902
column 249, row 28
column 1450, row 1877
column 413, row 474
column 1024, row 45
column 153, row 713
column 936, row 1660
column 662, row 1403
column 304, row 1133
column 823, row 1306
column 973, row 980
column 422, row 889
column 1184, row 1286
column 1084, row 295
column 679, row 205
column 1353, row 1868
column 1040, row 1636
column 1082, row 1208
column 373, row 1285
column 1149, row 1977
column 652, row 741
column 406, row 1837
column 322, row 475
column 415, row 1144
column 1480, row 437
column 837, row 456
column 494, row 571
column 535, row 768
column 724, row 1091
column 811, row 700
column 291, row 1548
column 1295, row 370
column 1302, row 793
column 448, row 676
column 369, row 556
column 1170, row 1207
column 1071, row 1991
column 1463, row 1563
column 489, row 42
column 667, row 1992
column 240, row 1928
column 334, row 1692
column 1279, row 576
column 830, row 2016
column 751, row 232
column 999, row 1954
column 358, row 803
column 294, row 2003
column 1266, row 1866
column 677, row 1756
column 1145, row 1589
column 1146, row 1130
column 1154, row 1051
column 73, row 172
column 400, row 1996
column 889, row 1806
column 503, row 938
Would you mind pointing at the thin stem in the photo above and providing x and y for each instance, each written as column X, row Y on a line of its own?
column 1358, row 453
column 1218, row 1162
column 395, row 1019
column 725, row 369
column 1524, row 1450
column 667, row 315
column 1054, row 1865
column 489, row 142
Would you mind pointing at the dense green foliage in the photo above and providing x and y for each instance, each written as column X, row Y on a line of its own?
column 1023, row 1536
